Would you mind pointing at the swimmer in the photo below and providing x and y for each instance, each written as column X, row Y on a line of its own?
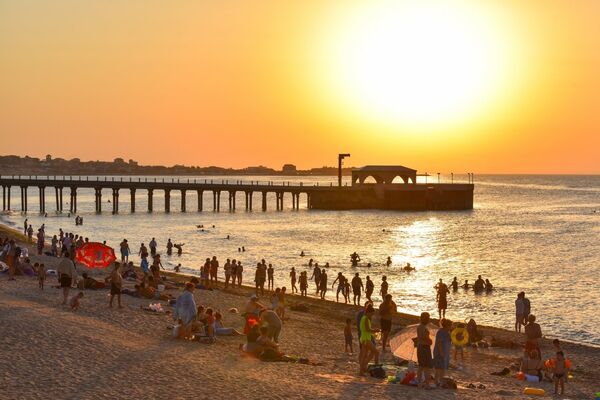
column 177, row 268
column 302, row 253
column 408, row 268
column 243, row 248
column 465, row 285
column 228, row 237
column 488, row 286
column 388, row 262
column 454, row 284
column 179, row 248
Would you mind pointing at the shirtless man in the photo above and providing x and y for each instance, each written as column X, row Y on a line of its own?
column 370, row 287
column 323, row 286
column 317, row 278
column 357, row 287
column 270, row 280
column 441, row 298
column 341, row 286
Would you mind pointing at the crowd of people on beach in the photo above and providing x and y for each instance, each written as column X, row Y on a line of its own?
column 264, row 323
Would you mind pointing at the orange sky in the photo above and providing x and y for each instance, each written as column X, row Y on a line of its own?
column 242, row 83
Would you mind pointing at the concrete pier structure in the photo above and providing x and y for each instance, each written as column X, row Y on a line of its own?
column 384, row 193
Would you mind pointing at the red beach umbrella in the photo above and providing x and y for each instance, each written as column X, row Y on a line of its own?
column 95, row 255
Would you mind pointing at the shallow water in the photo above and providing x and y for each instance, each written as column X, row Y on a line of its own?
column 533, row 233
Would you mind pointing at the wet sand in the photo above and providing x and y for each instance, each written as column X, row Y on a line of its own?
column 49, row 351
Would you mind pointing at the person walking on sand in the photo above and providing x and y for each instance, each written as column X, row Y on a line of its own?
column 441, row 298
column 30, row 233
column 387, row 310
column 67, row 275
column 41, row 271
column 357, row 287
column 116, row 284
column 40, row 242
column 259, row 279
column 369, row 288
column 293, row 280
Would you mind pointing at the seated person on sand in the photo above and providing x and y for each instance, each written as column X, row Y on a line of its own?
column 200, row 322
column 220, row 329
column 253, row 307
column 532, row 366
column 149, row 292
column 91, row 283
column 129, row 271
column 474, row 334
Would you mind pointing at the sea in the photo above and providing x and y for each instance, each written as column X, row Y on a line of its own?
column 533, row 233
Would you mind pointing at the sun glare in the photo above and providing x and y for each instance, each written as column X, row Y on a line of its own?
column 419, row 64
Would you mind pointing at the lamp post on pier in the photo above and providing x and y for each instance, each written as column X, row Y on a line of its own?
column 340, row 161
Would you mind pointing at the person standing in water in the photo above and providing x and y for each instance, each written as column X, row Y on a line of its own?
column 227, row 270
column 441, row 298
column 369, row 288
column 152, row 246
column 317, row 278
column 270, row 280
column 357, row 287
column 169, row 247
column 239, row 270
column 388, row 263
column 384, row 287
column 323, row 285
column 454, row 284
column 303, row 283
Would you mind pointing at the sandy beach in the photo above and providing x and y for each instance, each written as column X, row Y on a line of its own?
column 49, row 351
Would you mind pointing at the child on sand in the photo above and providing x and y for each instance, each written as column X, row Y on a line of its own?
column 348, row 336
column 74, row 302
column 458, row 348
column 560, row 372
column 41, row 271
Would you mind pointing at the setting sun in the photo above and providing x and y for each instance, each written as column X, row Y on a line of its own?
column 420, row 64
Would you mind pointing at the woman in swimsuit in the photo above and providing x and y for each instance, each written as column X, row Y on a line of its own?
column 367, row 341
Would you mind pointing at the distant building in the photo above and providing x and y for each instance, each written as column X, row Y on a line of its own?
column 119, row 161
column 289, row 169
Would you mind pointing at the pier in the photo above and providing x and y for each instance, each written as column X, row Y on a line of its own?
column 360, row 195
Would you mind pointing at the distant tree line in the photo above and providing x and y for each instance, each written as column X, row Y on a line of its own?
column 16, row 165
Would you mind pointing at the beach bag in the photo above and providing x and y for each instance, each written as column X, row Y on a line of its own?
column 176, row 330
column 377, row 371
